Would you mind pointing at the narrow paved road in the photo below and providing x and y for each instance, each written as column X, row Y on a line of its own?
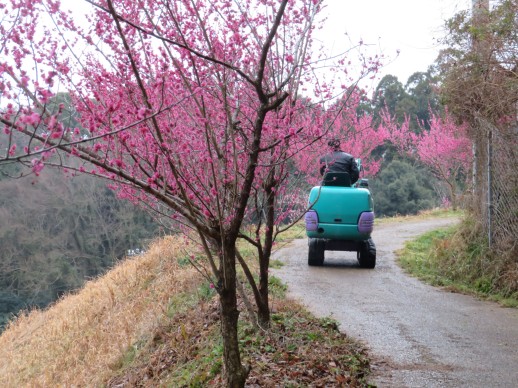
column 418, row 335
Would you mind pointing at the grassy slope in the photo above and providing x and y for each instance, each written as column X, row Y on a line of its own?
column 457, row 259
column 153, row 321
column 81, row 339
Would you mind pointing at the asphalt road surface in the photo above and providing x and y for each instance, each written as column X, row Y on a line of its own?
column 417, row 335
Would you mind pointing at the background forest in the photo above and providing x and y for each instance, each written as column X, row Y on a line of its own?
column 57, row 232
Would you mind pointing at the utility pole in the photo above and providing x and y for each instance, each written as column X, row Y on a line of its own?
column 480, row 10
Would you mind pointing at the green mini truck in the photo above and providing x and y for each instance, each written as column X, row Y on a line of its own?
column 341, row 218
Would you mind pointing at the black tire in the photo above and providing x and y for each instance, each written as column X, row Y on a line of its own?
column 316, row 252
column 367, row 254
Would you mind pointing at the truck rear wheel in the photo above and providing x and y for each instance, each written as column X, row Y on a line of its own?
column 316, row 252
column 367, row 254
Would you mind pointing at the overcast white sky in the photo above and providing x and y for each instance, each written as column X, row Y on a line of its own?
column 412, row 26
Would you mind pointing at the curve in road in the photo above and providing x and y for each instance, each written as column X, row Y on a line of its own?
column 418, row 335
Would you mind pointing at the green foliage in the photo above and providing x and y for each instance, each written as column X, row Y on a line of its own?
column 184, row 261
column 297, row 340
column 457, row 259
column 181, row 302
column 296, row 344
column 388, row 94
column 297, row 230
column 402, row 189
column 206, row 291
column 199, row 371
column 276, row 264
column 129, row 356
column 276, row 286
column 421, row 99
column 330, row 323
column 417, row 255
column 414, row 100
column 9, row 304
column 478, row 67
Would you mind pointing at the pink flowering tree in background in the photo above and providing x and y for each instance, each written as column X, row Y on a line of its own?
column 358, row 133
column 445, row 149
column 280, row 192
column 192, row 109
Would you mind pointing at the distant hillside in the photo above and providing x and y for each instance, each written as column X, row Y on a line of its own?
column 56, row 232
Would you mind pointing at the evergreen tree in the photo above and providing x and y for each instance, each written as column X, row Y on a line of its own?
column 402, row 189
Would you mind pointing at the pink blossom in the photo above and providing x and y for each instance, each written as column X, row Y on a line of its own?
column 141, row 113
column 31, row 119
column 37, row 166
column 56, row 134
column 46, row 95
column 25, row 81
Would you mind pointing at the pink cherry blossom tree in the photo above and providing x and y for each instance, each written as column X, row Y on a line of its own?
column 445, row 149
column 191, row 108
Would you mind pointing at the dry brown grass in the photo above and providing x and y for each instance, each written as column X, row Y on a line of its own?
column 80, row 340
column 437, row 212
column 152, row 321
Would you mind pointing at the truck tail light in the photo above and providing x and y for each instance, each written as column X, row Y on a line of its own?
column 366, row 222
column 311, row 219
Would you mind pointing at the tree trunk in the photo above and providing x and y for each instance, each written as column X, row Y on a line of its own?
column 235, row 372
column 263, row 308
column 453, row 195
